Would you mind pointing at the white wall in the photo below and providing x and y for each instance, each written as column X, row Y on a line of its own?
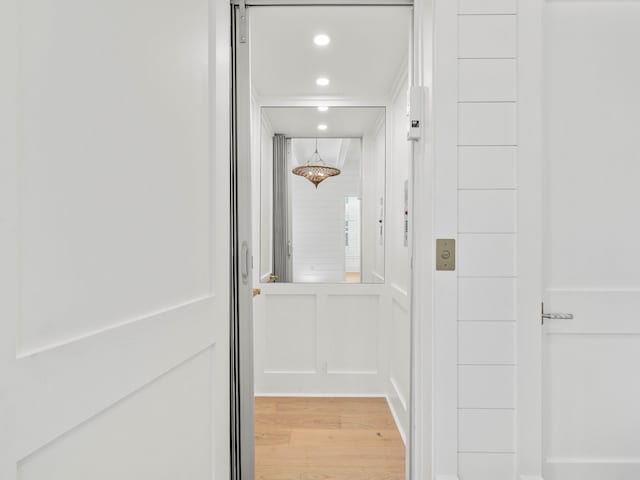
column 476, row 194
column 487, row 197
column 318, row 215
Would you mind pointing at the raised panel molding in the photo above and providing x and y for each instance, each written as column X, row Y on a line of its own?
column 344, row 352
column 115, row 363
column 174, row 406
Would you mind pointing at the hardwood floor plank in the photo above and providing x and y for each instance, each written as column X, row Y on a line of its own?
column 327, row 439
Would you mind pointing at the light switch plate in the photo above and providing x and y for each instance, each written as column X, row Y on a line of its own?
column 445, row 254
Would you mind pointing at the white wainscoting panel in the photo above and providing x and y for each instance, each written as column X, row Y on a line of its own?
column 291, row 334
column 487, row 36
column 321, row 339
column 594, row 388
column 349, row 334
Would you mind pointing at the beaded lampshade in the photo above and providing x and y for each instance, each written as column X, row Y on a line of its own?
column 315, row 170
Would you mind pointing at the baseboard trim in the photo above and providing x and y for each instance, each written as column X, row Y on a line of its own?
column 396, row 420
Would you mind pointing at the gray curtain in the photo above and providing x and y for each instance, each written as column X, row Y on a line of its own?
column 281, row 248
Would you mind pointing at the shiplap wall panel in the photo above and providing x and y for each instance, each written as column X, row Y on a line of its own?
column 486, row 211
column 489, row 255
column 486, row 430
column 481, row 80
column 487, row 36
column 486, row 6
column 486, row 299
column 486, row 386
column 487, row 167
column 486, row 343
column 487, row 123
column 487, row 466
column 487, row 220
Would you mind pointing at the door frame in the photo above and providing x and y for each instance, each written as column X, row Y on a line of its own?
column 529, row 243
column 419, row 458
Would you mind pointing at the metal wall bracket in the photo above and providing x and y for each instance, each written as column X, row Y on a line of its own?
column 242, row 21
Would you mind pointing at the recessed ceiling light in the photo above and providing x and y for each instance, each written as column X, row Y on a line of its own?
column 322, row 126
column 322, row 40
column 322, row 81
column 323, row 109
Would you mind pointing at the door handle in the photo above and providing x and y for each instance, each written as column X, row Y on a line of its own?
column 256, row 292
column 244, row 260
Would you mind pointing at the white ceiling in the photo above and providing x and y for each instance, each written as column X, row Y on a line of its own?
column 341, row 121
column 333, row 151
column 368, row 49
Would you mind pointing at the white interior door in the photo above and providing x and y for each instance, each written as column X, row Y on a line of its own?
column 113, row 240
column 592, row 241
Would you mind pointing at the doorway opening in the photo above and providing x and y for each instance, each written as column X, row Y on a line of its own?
column 323, row 164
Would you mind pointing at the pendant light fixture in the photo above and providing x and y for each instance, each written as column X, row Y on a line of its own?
column 315, row 170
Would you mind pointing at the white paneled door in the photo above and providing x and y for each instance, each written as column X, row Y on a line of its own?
column 113, row 240
column 592, row 260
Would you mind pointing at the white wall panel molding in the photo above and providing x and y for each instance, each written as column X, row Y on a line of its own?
column 115, row 363
column 107, row 445
column 339, row 345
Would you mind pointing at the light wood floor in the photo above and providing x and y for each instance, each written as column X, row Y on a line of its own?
column 327, row 439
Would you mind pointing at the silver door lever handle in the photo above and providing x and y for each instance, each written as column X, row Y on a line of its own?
column 558, row 316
